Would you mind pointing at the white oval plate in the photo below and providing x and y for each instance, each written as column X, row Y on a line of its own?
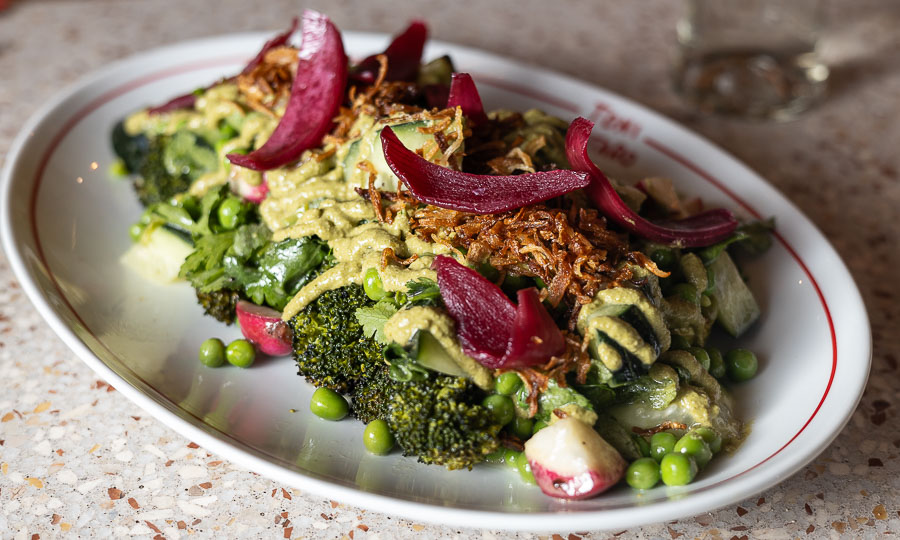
column 65, row 221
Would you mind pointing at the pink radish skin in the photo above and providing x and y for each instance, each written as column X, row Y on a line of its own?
column 247, row 191
column 264, row 328
column 570, row 460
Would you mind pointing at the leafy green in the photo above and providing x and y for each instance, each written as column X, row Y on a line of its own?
column 658, row 388
column 554, row 397
column 423, row 292
column 419, row 292
column 754, row 237
column 404, row 366
column 168, row 165
column 246, row 260
column 373, row 318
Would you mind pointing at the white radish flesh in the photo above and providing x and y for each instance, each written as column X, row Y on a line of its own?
column 572, row 461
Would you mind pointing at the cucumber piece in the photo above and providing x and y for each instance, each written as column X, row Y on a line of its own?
column 428, row 352
column 737, row 308
column 157, row 256
column 368, row 147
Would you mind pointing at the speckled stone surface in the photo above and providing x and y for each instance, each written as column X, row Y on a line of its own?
column 77, row 458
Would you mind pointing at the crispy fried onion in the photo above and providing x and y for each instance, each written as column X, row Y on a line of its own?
column 268, row 85
column 399, row 200
column 571, row 250
column 575, row 358
column 665, row 426
column 381, row 99
column 388, row 255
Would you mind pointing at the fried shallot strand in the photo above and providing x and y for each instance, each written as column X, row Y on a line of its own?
column 574, row 359
column 665, row 426
column 268, row 85
column 388, row 255
column 571, row 249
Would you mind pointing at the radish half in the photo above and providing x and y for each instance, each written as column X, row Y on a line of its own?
column 570, row 460
column 264, row 328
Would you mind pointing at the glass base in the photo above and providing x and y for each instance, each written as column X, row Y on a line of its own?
column 752, row 84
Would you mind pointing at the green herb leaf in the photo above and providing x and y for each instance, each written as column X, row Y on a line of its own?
column 373, row 318
column 423, row 292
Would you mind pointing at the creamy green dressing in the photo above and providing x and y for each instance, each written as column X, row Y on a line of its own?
column 404, row 324
column 318, row 198
column 217, row 105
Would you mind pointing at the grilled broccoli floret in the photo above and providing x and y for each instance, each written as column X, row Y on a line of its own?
column 219, row 304
column 171, row 164
column 131, row 149
column 371, row 396
column 329, row 345
column 155, row 183
column 439, row 418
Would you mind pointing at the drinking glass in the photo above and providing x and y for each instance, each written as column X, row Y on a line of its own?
column 751, row 58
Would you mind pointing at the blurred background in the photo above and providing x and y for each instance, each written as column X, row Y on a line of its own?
column 837, row 161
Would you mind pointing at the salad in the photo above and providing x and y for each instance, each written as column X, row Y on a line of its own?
column 469, row 285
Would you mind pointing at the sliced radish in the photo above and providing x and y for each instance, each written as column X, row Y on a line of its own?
column 570, row 460
column 245, row 188
column 264, row 328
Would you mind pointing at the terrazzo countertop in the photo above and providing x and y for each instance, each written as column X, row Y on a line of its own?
column 77, row 458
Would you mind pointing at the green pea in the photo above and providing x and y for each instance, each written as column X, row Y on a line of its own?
column 711, row 437
column 642, row 444
column 539, row 425
column 741, row 365
column 212, row 352
column 118, row 168
column 702, row 356
column 521, row 427
column 496, row 456
column 687, row 292
column 240, row 353
column 664, row 258
column 680, row 342
column 328, row 404
column 373, row 286
column 677, row 469
column 716, row 362
column 135, row 232
column 512, row 458
column 500, row 407
column 643, row 473
column 377, row 437
column 507, row 383
column 692, row 444
column 661, row 443
column 230, row 212
column 525, row 470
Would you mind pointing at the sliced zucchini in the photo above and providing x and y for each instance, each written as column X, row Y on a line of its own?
column 737, row 308
column 626, row 332
column 625, row 295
